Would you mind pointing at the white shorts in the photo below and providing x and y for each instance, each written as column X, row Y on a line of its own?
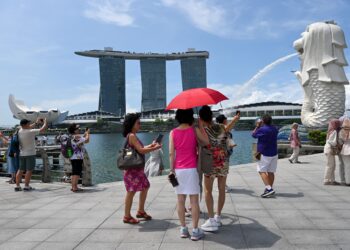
column 188, row 181
column 267, row 164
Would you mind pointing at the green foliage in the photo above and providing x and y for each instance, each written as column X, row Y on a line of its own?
column 317, row 137
column 158, row 121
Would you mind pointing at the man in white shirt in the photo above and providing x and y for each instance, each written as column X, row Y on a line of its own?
column 27, row 154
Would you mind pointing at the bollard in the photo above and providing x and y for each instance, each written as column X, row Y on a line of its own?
column 46, row 174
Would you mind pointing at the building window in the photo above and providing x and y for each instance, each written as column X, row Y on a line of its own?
column 288, row 112
column 252, row 114
column 278, row 112
column 296, row 112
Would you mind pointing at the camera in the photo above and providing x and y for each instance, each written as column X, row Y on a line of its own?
column 238, row 112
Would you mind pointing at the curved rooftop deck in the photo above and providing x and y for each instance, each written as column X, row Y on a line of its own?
column 137, row 56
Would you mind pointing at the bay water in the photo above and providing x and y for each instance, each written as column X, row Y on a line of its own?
column 103, row 149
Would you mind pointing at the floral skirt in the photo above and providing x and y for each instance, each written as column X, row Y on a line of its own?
column 135, row 180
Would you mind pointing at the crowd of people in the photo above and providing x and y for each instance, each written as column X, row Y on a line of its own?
column 199, row 153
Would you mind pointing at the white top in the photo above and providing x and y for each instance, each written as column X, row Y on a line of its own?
column 346, row 147
column 78, row 147
column 27, row 141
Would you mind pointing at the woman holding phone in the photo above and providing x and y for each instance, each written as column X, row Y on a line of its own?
column 135, row 179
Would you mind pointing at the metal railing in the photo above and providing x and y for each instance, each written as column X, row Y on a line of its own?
column 52, row 166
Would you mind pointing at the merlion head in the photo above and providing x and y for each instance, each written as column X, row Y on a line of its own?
column 321, row 47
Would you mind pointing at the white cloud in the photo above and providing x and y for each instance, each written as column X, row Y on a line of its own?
column 115, row 12
column 204, row 15
column 87, row 95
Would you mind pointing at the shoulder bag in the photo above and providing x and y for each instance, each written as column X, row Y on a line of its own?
column 129, row 158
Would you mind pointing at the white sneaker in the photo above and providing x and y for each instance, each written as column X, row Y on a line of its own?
column 217, row 219
column 210, row 225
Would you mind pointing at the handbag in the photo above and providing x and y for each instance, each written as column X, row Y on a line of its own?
column 129, row 158
column 335, row 150
column 205, row 160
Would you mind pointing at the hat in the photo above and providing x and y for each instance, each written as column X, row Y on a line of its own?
column 221, row 118
column 24, row 122
column 72, row 128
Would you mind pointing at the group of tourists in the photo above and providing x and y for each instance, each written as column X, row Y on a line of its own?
column 188, row 145
column 338, row 144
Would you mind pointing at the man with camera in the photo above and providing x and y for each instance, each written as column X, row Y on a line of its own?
column 26, row 136
column 266, row 134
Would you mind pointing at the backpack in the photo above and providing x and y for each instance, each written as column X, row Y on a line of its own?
column 14, row 145
column 66, row 146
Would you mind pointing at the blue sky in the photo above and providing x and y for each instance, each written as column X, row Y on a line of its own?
column 38, row 40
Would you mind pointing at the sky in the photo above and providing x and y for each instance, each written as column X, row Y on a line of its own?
column 39, row 37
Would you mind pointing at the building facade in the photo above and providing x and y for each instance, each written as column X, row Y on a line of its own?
column 153, row 79
column 193, row 73
column 112, row 87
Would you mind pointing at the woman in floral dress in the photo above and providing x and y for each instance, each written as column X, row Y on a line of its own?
column 135, row 180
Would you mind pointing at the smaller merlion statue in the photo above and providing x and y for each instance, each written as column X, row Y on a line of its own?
column 322, row 74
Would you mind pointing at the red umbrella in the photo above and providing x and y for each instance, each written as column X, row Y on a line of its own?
column 196, row 97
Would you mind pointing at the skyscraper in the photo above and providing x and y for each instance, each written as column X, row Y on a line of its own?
column 112, row 88
column 193, row 72
column 153, row 84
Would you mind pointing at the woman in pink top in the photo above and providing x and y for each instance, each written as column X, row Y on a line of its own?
column 183, row 163
column 294, row 144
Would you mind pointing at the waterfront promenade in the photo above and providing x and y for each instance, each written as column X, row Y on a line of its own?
column 305, row 214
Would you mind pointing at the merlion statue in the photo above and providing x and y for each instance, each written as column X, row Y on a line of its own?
column 322, row 74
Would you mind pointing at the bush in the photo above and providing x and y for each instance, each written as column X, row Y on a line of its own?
column 317, row 137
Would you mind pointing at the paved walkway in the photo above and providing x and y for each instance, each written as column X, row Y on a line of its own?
column 303, row 215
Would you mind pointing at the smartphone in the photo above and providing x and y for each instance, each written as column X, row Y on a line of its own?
column 86, row 129
column 238, row 112
column 173, row 180
column 159, row 138
column 41, row 120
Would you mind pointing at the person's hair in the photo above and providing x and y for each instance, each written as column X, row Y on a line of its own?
column 72, row 128
column 184, row 116
column 267, row 119
column 221, row 119
column 129, row 122
column 206, row 114
column 24, row 122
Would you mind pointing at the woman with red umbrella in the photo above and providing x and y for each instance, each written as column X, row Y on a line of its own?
column 217, row 145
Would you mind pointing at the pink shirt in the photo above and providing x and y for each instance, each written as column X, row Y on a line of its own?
column 185, row 145
column 294, row 139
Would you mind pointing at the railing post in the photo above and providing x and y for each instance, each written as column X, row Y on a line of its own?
column 46, row 174
column 87, row 178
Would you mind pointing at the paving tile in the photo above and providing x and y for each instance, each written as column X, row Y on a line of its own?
column 34, row 235
column 56, row 245
column 18, row 245
column 138, row 246
column 307, row 237
column 108, row 235
column 70, row 235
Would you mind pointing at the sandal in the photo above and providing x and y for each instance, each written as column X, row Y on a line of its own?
column 143, row 215
column 130, row 220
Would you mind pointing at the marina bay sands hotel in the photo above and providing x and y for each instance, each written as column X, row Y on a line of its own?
column 153, row 76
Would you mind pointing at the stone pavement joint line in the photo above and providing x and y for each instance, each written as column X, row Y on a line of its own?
column 304, row 214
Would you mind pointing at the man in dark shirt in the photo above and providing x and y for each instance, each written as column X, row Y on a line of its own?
column 267, row 146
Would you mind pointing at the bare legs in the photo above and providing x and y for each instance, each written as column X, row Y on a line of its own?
column 268, row 178
column 129, row 199
column 209, row 201
column 208, row 183
column 27, row 177
column 181, row 199
column 222, row 194
column 74, row 181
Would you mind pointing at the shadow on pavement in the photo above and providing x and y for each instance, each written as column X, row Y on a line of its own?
column 240, row 232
